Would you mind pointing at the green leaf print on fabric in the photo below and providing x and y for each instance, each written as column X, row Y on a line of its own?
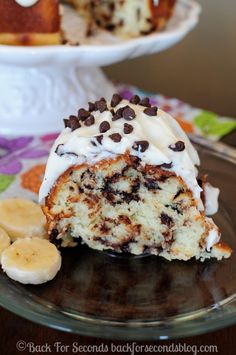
column 5, row 181
column 212, row 125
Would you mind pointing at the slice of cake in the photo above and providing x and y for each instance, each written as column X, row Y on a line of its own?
column 29, row 22
column 122, row 176
column 128, row 18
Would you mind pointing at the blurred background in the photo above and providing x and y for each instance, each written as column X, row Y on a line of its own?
column 200, row 70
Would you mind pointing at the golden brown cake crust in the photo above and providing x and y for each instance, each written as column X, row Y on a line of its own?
column 30, row 39
column 43, row 17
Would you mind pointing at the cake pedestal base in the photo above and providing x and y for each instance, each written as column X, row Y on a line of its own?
column 34, row 100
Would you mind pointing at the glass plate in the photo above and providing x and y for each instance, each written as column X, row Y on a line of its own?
column 103, row 295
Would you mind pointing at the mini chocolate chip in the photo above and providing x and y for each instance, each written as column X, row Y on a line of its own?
column 135, row 100
column 177, row 147
column 73, row 117
column 74, row 122
column 71, row 153
column 83, row 114
column 110, row 27
column 112, row 111
column 145, row 102
column 166, row 165
column 151, row 111
column 118, row 114
column 128, row 128
column 167, row 220
column 91, row 106
column 104, row 126
column 89, row 121
column 200, row 182
column 116, row 137
column 151, row 184
column 101, row 105
column 125, row 248
column 128, row 113
column 141, row 146
column 135, row 160
column 53, row 237
column 146, row 249
column 54, row 233
column 116, row 99
column 66, row 123
column 59, row 150
column 178, row 193
column 99, row 138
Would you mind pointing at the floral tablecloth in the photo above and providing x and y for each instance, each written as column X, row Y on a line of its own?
column 23, row 159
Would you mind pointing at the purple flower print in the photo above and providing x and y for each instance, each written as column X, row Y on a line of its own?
column 10, row 167
column 126, row 94
column 49, row 137
column 11, row 145
column 15, row 149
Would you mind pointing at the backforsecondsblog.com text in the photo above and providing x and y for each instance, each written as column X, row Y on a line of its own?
column 131, row 348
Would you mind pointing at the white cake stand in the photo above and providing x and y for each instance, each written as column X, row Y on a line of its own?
column 41, row 85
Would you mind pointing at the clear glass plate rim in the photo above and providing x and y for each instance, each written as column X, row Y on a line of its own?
column 224, row 315
column 192, row 323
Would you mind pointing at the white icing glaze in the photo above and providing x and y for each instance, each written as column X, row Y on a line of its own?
column 160, row 131
column 26, row 3
column 211, row 199
column 213, row 235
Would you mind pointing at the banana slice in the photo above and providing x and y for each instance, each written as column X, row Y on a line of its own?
column 4, row 241
column 31, row 261
column 22, row 218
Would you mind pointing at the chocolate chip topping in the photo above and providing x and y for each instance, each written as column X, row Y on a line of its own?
column 99, row 138
column 116, row 137
column 141, row 146
column 167, row 220
column 89, row 121
column 151, row 111
column 151, row 184
column 128, row 128
column 91, row 106
column 83, row 114
column 74, row 122
column 66, row 123
column 59, row 150
column 104, row 126
column 166, row 165
column 177, row 147
column 101, row 105
column 128, row 113
column 135, row 100
column 145, row 102
column 53, row 237
column 116, row 99
column 118, row 114
column 135, row 160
